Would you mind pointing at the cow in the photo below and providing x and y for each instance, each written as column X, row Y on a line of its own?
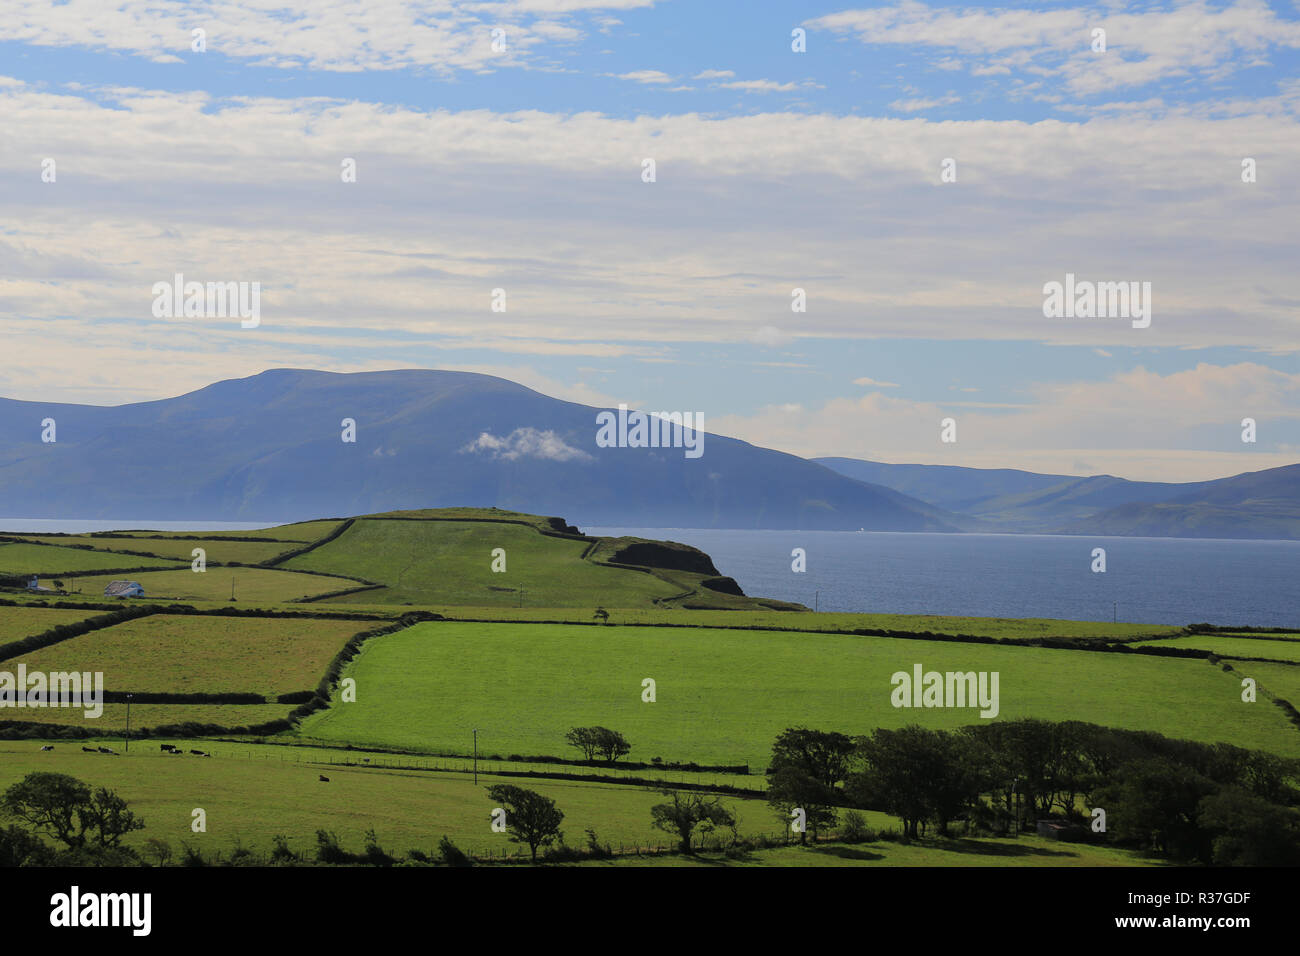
column 108, row 750
column 89, row 750
column 324, row 779
column 168, row 748
column 365, row 759
column 47, row 747
column 198, row 753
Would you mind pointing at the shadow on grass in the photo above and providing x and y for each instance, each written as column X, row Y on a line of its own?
column 987, row 847
column 848, row 853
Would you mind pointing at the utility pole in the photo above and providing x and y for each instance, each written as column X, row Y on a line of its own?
column 232, row 587
column 817, row 601
column 476, row 756
column 1115, row 619
column 128, row 723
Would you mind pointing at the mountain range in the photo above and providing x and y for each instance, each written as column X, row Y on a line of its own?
column 275, row 447
column 1260, row 504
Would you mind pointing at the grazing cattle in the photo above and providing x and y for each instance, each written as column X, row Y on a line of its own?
column 167, row 747
column 365, row 759
column 198, row 753
column 90, row 750
column 177, row 753
column 108, row 750
column 324, row 778
column 48, row 747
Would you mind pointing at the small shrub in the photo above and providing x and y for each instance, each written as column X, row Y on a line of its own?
column 451, row 854
column 855, row 829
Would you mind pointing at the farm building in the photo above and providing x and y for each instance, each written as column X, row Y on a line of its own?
column 123, row 589
column 35, row 585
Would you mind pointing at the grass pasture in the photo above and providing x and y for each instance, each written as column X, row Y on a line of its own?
column 723, row 696
column 19, row 622
column 145, row 717
column 177, row 549
column 1017, row 629
column 251, row 585
column 436, row 562
column 1281, row 680
column 50, row 561
column 250, row 799
column 197, row 654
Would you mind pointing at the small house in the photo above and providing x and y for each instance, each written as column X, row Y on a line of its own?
column 35, row 585
column 123, row 589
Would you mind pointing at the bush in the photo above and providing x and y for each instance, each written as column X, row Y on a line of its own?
column 594, row 848
column 451, row 854
column 374, row 854
column 192, row 856
column 328, row 849
column 855, row 829
column 280, row 852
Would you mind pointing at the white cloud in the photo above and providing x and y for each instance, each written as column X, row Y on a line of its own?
column 527, row 443
column 1178, row 40
column 871, row 382
column 643, row 76
column 1138, row 424
column 714, row 75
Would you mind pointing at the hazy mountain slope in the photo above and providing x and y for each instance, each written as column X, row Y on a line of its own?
column 1261, row 504
column 268, row 448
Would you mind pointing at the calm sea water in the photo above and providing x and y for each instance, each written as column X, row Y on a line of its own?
column 1147, row 580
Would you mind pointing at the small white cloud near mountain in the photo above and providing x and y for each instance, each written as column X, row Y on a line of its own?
column 527, row 443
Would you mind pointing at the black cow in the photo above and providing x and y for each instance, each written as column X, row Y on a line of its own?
column 108, row 750
column 324, row 778
column 89, row 750
column 198, row 753
column 167, row 747
column 48, row 747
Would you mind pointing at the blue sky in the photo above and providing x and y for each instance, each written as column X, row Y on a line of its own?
column 521, row 169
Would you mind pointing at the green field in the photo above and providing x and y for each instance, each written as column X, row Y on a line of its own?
column 191, row 654
column 178, row 549
column 19, row 622
column 252, row 585
column 144, row 717
column 1229, row 646
column 47, row 561
column 723, row 696
column 1017, row 629
column 434, row 562
column 250, row 800
column 1282, row 680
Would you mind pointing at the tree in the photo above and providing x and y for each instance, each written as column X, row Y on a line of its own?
column 530, row 817
column 806, row 770
column 688, row 811
column 601, row 615
column 598, row 741
column 1246, row 830
column 610, row 744
column 65, row 808
column 584, row 738
column 916, row 774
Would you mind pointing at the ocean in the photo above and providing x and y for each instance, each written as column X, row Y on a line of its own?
column 1147, row 580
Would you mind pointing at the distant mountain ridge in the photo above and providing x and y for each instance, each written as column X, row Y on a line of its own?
column 1260, row 504
column 269, row 447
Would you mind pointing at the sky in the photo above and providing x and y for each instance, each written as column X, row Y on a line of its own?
column 919, row 170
